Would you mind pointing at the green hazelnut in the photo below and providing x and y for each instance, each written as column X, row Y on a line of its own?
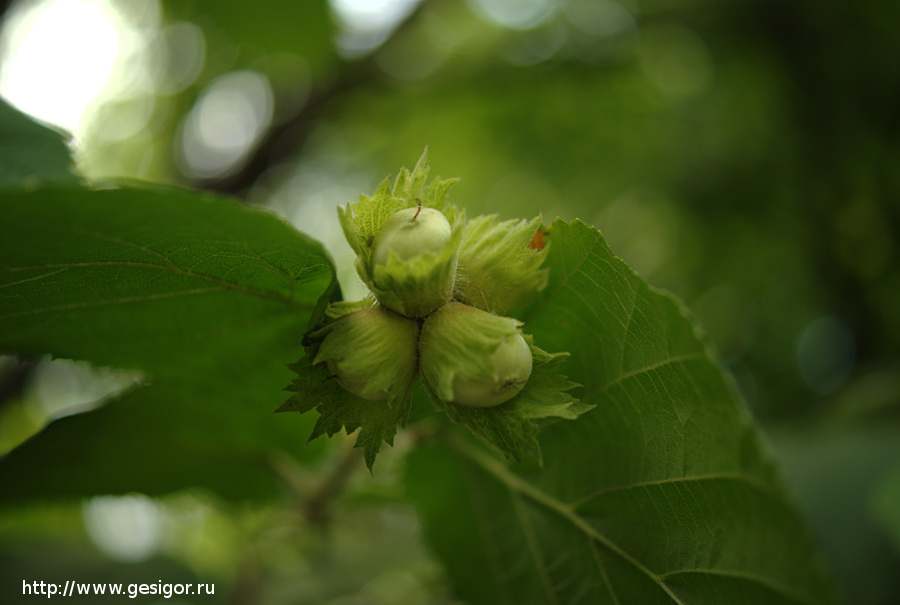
column 413, row 263
column 371, row 352
column 511, row 362
column 355, row 382
column 409, row 233
column 500, row 264
column 472, row 357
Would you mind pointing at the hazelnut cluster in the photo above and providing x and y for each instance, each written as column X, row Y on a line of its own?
column 443, row 289
column 417, row 322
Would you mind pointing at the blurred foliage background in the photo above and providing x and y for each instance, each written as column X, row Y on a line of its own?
column 744, row 155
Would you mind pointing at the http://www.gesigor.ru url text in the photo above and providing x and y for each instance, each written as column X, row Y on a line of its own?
column 69, row 588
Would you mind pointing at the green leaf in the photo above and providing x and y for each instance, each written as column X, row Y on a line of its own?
column 30, row 154
column 206, row 297
column 661, row 494
column 173, row 283
column 377, row 353
column 339, row 409
column 163, row 438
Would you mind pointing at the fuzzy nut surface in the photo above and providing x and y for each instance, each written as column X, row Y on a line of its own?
column 512, row 363
column 355, row 382
column 473, row 358
column 371, row 352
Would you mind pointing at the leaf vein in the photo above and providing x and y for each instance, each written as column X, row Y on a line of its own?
column 645, row 369
column 531, row 539
column 748, row 479
column 170, row 268
column 116, row 301
column 34, row 278
column 625, row 334
column 124, row 242
column 516, row 484
column 566, row 272
column 494, row 558
column 775, row 586
column 602, row 568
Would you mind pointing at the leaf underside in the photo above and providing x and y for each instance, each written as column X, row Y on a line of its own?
column 660, row 494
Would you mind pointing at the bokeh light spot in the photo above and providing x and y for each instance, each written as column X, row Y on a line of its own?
column 365, row 24
column 57, row 56
column 180, row 50
column 225, row 124
column 603, row 18
column 126, row 528
column 515, row 14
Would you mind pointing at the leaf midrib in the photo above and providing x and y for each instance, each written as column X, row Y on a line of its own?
column 57, row 268
column 517, row 485
column 170, row 266
column 532, row 542
column 677, row 359
column 756, row 484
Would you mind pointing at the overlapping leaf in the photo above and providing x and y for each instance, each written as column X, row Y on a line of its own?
column 661, row 494
column 206, row 297
column 164, row 438
column 31, row 154
column 173, row 283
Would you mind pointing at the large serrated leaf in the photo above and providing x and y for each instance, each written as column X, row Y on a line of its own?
column 661, row 494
